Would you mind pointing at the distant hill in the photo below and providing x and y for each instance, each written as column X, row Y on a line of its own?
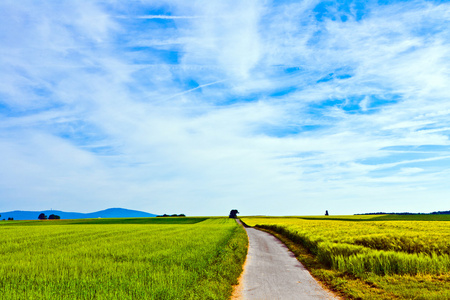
column 107, row 213
column 446, row 212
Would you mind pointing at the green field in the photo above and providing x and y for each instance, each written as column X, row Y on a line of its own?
column 371, row 257
column 143, row 258
column 99, row 221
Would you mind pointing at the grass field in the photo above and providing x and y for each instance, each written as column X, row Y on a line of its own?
column 154, row 258
column 371, row 257
column 150, row 221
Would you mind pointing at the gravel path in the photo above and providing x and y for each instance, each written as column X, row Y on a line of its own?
column 272, row 272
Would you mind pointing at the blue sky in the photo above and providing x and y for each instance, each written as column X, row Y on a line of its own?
column 199, row 107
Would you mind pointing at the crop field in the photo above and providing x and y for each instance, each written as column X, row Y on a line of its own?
column 371, row 257
column 151, row 258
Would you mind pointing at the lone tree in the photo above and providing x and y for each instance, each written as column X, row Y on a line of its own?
column 326, row 213
column 53, row 217
column 42, row 216
column 233, row 213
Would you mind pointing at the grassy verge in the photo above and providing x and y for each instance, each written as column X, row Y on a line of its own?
column 225, row 269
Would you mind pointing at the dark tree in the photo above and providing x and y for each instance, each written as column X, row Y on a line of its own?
column 42, row 216
column 54, row 217
column 10, row 219
column 233, row 213
column 326, row 213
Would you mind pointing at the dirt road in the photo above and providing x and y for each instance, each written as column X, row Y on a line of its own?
column 272, row 272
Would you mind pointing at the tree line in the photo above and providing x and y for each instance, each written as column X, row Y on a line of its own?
column 42, row 216
column 174, row 215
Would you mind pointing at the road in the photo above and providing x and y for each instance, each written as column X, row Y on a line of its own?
column 272, row 272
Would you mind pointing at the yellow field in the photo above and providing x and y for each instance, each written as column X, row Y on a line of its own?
column 403, row 259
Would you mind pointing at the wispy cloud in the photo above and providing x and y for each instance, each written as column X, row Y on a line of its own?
column 166, row 17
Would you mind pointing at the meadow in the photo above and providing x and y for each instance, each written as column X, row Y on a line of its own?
column 371, row 257
column 142, row 258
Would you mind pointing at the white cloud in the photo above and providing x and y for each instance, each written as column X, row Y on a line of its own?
column 98, row 113
column 226, row 35
column 408, row 171
column 166, row 17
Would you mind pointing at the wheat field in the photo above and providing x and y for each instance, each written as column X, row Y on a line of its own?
column 113, row 259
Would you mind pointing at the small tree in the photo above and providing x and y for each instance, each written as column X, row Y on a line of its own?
column 233, row 213
column 326, row 213
column 54, row 217
column 42, row 216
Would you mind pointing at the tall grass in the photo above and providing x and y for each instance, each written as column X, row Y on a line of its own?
column 121, row 261
column 358, row 248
